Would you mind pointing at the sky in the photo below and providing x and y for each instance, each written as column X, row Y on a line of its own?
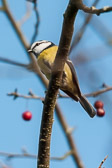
column 92, row 136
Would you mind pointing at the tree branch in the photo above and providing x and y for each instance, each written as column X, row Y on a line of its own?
column 2, row 8
column 11, row 62
column 92, row 9
column 15, row 25
column 80, row 33
column 50, row 99
column 15, row 95
column 103, row 161
column 24, row 42
column 70, row 140
column 105, row 89
column 37, row 21
column 31, row 95
column 33, row 156
column 26, row 16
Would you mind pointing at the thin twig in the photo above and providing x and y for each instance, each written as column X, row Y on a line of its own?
column 92, row 9
column 80, row 33
column 15, row 25
column 30, row 67
column 62, row 157
column 106, row 88
column 37, row 22
column 102, row 30
column 17, row 155
column 33, row 156
column 34, row 96
column 94, row 94
column 9, row 61
column 26, row 16
column 103, row 161
column 15, row 94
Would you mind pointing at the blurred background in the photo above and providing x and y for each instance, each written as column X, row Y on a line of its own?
column 92, row 57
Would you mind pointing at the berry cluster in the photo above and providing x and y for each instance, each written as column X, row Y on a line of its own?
column 99, row 107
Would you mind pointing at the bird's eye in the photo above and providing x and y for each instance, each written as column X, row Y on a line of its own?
column 37, row 44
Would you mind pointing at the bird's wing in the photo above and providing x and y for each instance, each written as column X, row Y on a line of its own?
column 74, row 75
column 47, row 64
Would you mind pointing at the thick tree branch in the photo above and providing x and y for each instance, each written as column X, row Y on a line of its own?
column 50, row 99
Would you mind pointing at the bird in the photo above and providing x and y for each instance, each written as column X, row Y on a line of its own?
column 45, row 53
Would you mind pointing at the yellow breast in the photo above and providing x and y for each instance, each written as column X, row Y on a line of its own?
column 45, row 58
column 48, row 54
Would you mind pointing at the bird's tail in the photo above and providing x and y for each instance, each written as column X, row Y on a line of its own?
column 87, row 106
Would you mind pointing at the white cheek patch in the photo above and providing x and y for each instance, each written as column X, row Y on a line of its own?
column 40, row 47
column 37, row 50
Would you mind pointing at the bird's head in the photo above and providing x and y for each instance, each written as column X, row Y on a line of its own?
column 37, row 47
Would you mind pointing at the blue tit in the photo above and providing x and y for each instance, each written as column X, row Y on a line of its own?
column 45, row 52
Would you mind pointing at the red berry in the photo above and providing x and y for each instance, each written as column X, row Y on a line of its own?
column 100, row 112
column 27, row 115
column 98, row 104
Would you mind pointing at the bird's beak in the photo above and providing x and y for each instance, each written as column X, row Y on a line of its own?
column 29, row 50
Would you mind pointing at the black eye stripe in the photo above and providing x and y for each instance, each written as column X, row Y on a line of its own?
column 37, row 44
